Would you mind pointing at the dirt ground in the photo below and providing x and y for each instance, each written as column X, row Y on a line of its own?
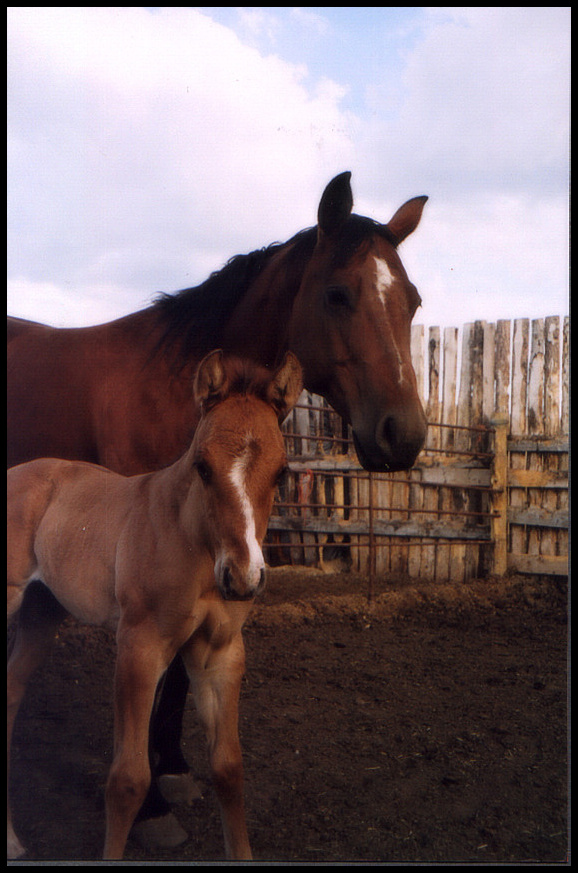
column 429, row 725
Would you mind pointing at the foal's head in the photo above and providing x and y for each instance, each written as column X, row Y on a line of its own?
column 239, row 457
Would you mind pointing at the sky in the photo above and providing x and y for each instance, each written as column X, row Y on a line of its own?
column 148, row 145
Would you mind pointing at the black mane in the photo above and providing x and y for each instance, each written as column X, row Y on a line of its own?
column 193, row 319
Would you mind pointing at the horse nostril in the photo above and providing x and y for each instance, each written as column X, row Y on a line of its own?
column 401, row 437
column 227, row 582
column 262, row 580
column 389, row 432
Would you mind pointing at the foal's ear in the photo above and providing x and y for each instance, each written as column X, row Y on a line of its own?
column 286, row 386
column 406, row 219
column 210, row 378
column 335, row 205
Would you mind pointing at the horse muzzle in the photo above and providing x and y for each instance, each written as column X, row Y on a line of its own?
column 393, row 443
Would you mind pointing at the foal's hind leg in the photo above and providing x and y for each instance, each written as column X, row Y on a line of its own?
column 39, row 616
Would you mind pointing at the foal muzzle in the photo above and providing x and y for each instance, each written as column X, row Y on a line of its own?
column 234, row 584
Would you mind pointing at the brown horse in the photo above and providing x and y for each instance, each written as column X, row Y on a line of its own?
column 337, row 295
column 172, row 561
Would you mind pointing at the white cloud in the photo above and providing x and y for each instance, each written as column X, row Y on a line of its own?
column 485, row 101
column 159, row 138
column 506, row 259
column 482, row 127
column 148, row 146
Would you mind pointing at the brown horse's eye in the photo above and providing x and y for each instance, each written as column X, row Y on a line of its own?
column 204, row 471
column 338, row 298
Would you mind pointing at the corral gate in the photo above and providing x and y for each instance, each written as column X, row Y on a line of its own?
column 488, row 494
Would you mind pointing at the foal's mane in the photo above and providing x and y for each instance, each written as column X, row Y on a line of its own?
column 192, row 320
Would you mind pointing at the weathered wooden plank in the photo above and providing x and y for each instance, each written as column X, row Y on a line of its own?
column 563, row 503
column 502, row 369
column 383, row 497
column 538, row 479
column 430, row 496
column 549, row 543
column 520, row 351
column 418, row 358
column 449, row 417
column 535, row 420
column 465, row 387
column 547, row 446
column 416, row 503
column 383, row 528
column 433, row 409
column 500, row 496
column 536, row 517
column 416, row 494
column 450, row 372
column 552, row 376
column 477, row 373
column 536, row 424
column 471, row 499
column 565, row 400
column 465, row 418
column 551, row 565
column 488, row 374
column 518, row 408
column 456, row 477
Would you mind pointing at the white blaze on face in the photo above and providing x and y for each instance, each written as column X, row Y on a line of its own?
column 383, row 279
column 238, row 476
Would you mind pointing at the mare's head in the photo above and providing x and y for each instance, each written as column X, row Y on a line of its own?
column 351, row 328
column 239, row 458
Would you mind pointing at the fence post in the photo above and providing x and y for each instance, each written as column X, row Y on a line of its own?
column 500, row 495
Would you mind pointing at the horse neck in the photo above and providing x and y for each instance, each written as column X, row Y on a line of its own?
column 258, row 326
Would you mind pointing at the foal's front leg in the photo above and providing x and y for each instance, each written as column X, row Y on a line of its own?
column 216, row 676
column 140, row 664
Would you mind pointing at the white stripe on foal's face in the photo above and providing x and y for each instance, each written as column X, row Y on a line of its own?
column 238, row 477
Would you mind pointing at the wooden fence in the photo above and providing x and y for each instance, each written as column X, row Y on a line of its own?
column 489, row 493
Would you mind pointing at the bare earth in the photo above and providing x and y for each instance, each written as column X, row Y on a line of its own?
column 429, row 725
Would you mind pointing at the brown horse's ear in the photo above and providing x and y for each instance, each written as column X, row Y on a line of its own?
column 335, row 205
column 210, row 379
column 406, row 219
column 286, row 386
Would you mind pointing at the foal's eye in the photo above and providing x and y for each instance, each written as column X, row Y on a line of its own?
column 204, row 471
column 338, row 297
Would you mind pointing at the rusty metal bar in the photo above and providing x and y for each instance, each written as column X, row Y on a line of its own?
column 403, row 543
column 454, row 512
